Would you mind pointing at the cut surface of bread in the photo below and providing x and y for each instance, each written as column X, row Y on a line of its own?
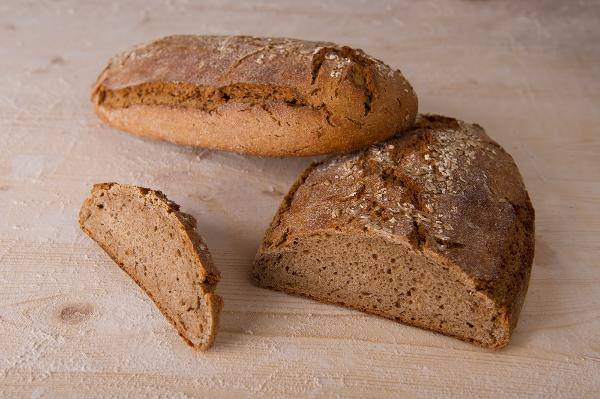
column 159, row 248
column 262, row 96
column 433, row 228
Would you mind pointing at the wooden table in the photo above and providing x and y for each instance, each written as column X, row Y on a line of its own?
column 73, row 325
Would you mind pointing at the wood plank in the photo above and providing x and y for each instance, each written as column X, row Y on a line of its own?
column 73, row 325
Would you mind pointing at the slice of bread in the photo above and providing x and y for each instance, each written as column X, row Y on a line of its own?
column 433, row 228
column 158, row 247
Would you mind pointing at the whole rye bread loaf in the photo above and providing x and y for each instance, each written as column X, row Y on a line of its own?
column 159, row 248
column 433, row 228
column 264, row 96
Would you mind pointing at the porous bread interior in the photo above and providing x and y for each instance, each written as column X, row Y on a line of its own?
column 391, row 280
column 144, row 238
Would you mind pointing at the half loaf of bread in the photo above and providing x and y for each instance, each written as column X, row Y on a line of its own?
column 158, row 247
column 263, row 96
column 433, row 228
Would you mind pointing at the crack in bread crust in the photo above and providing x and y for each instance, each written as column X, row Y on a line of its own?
column 206, row 98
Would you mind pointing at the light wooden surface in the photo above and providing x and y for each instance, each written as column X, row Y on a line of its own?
column 73, row 325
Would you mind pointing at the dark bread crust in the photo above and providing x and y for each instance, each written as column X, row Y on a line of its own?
column 444, row 188
column 208, row 273
column 264, row 96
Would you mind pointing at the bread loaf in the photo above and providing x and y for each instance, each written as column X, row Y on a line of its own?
column 271, row 96
column 158, row 247
column 433, row 228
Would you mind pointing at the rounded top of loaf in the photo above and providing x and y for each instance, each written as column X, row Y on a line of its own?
column 224, row 60
column 443, row 187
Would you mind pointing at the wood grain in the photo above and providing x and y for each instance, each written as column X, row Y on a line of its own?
column 73, row 325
